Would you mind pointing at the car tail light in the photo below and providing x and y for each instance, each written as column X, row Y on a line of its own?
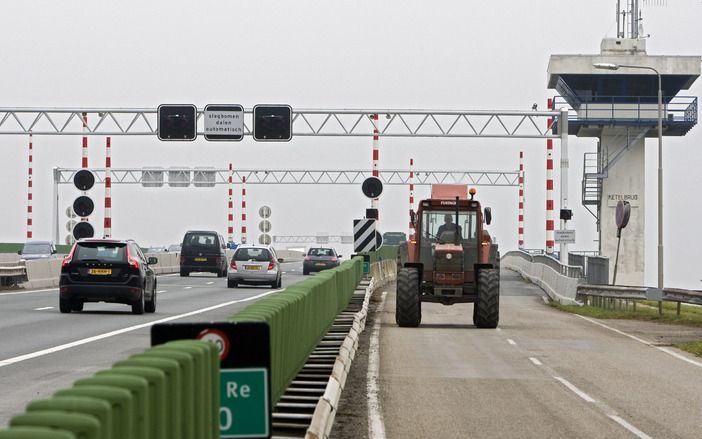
column 307, row 258
column 67, row 260
column 233, row 264
column 271, row 264
column 132, row 261
column 334, row 259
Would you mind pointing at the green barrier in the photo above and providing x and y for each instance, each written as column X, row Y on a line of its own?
column 137, row 387
column 78, row 404
column 82, row 426
column 187, row 385
column 300, row 316
column 211, row 352
column 173, row 388
column 120, row 401
column 201, row 394
column 35, row 433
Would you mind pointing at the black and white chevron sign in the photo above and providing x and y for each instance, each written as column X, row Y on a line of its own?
column 364, row 235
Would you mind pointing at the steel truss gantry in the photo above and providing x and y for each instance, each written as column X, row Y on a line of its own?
column 202, row 177
column 312, row 239
column 306, row 122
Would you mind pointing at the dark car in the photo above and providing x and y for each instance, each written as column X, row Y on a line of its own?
column 394, row 238
column 203, row 251
column 319, row 258
column 107, row 270
column 37, row 250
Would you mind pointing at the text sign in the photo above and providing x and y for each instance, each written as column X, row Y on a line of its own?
column 224, row 122
column 243, row 396
column 564, row 236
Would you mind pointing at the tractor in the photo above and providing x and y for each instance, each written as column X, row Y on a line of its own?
column 450, row 259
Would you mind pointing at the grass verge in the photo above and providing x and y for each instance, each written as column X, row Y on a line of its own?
column 693, row 347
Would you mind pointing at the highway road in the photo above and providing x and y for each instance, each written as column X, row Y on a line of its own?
column 42, row 350
column 542, row 374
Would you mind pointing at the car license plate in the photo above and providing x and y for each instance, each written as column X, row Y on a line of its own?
column 100, row 271
column 200, row 259
column 252, row 267
column 320, row 264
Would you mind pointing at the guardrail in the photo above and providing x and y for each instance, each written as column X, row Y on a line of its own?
column 557, row 280
column 12, row 275
column 593, row 294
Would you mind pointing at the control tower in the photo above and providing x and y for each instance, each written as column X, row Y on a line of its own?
column 613, row 96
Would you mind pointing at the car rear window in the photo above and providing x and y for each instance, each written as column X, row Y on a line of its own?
column 108, row 252
column 36, row 249
column 321, row 252
column 252, row 254
column 201, row 239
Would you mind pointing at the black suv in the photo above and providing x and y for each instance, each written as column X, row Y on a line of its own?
column 107, row 270
column 203, row 251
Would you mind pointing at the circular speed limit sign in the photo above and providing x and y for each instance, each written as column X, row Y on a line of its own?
column 217, row 337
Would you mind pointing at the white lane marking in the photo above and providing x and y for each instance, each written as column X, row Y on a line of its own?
column 285, row 272
column 647, row 343
column 83, row 341
column 187, row 288
column 536, row 361
column 167, row 275
column 574, row 389
column 28, row 292
column 209, row 283
column 629, row 427
column 292, row 269
column 376, row 426
column 44, row 308
column 498, row 329
column 512, row 342
column 161, row 291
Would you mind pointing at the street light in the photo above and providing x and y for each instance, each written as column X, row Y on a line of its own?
column 609, row 66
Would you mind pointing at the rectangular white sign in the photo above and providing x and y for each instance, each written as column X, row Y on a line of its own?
column 564, row 236
column 221, row 123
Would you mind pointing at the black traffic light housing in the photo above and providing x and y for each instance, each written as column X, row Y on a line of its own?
column 566, row 214
column 272, row 123
column 84, row 180
column 82, row 230
column 177, row 122
column 83, row 206
column 372, row 187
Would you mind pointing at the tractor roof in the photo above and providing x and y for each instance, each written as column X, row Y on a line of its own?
column 449, row 191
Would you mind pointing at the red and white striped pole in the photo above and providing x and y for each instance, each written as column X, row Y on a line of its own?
column 29, row 190
column 549, row 188
column 521, row 200
column 230, row 206
column 243, row 209
column 108, row 190
column 374, row 118
column 411, row 198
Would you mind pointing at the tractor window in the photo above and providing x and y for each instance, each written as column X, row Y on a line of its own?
column 441, row 225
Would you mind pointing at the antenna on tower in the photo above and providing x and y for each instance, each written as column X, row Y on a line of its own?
column 629, row 17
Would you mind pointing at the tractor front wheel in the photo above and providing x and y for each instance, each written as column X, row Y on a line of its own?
column 486, row 309
column 408, row 307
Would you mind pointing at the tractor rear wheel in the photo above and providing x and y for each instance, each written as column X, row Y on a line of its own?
column 408, row 307
column 486, row 309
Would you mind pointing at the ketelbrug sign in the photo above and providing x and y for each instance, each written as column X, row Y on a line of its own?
column 633, row 199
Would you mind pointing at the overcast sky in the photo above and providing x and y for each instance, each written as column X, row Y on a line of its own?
column 323, row 54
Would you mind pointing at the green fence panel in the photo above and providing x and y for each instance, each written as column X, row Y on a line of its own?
column 35, row 433
column 202, row 385
column 174, row 391
column 120, row 401
column 158, row 396
column 78, row 404
column 187, row 402
column 137, row 387
column 82, row 426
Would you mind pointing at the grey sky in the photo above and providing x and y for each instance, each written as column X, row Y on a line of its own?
column 322, row 54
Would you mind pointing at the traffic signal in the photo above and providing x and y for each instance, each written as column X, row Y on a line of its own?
column 83, row 206
column 272, row 123
column 372, row 187
column 177, row 122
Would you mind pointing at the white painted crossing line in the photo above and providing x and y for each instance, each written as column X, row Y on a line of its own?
column 209, row 283
column 83, row 341
column 640, row 434
column 43, row 308
column 575, row 390
column 512, row 342
column 536, row 361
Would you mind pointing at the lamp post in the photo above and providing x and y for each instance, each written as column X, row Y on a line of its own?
column 609, row 66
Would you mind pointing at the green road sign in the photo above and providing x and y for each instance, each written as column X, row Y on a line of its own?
column 366, row 267
column 243, row 402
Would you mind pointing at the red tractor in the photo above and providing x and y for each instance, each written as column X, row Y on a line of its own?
column 451, row 259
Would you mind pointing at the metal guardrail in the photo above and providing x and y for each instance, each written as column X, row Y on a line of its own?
column 693, row 297
column 12, row 275
column 540, row 257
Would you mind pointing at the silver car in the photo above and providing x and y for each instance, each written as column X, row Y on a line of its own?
column 255, row 265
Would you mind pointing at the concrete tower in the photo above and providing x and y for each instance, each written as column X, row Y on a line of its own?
column 617, row 103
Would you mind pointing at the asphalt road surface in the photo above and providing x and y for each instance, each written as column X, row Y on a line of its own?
column 542, row 374
column 42, row 351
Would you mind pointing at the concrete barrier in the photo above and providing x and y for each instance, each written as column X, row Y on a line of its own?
column 558, row 287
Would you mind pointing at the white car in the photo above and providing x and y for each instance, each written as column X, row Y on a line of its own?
column 255, row 265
